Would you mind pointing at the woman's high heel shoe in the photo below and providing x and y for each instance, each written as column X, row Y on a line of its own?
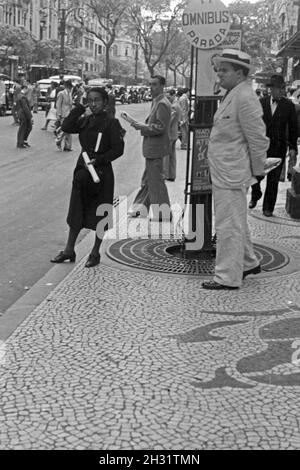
column 61, row 257
column 93, row 260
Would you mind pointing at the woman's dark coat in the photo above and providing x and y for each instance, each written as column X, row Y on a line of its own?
column 86, row 195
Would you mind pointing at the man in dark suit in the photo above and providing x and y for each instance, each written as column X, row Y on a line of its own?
column 280, row 119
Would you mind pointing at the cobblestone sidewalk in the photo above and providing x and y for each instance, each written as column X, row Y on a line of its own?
column 118, row 358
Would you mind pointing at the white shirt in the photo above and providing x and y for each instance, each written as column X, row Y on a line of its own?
column 273, row 105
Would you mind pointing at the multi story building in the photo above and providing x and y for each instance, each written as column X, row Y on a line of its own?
column 43, row 20
column 286, row 14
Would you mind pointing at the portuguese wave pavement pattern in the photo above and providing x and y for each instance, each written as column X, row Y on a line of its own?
column 118, row 358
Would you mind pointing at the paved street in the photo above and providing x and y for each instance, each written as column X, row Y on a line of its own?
column 118, row 357
column 34, row 195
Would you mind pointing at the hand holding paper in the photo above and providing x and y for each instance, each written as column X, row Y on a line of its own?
column 128, row 118
column 90, row 167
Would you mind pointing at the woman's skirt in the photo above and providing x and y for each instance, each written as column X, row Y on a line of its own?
column 87, row 198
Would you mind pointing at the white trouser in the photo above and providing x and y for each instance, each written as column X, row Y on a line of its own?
column 235, row 252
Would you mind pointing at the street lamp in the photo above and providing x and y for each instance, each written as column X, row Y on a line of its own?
column 136, row 59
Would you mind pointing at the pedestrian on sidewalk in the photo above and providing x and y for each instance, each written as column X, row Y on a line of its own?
column 87, row 195
column 51, row 97
column 184, row 123
column 236, row 153
column 15, row 91
column 156, row 145
column 279, row 115
column 24, row 117
column 35, row 97
column 170, row 159
column 64, row 105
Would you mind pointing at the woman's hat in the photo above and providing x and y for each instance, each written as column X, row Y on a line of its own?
column 276, row 81
column 234, row 56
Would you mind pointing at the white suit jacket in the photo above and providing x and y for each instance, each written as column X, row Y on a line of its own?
column 64, row 103
column 238, row 143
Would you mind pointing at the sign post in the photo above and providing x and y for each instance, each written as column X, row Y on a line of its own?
column 206, row 24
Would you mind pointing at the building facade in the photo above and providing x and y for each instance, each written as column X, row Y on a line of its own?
column 286, row 14
column 84, row 53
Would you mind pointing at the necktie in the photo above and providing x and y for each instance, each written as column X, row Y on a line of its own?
column 275, row 100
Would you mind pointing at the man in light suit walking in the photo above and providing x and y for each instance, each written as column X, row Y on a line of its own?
column 236, row 153
column 64, row 105
column 156, row 145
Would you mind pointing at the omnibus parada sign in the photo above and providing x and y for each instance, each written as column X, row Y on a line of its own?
column 206, row 23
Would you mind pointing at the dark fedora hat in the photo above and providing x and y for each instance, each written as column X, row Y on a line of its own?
column 276, row 81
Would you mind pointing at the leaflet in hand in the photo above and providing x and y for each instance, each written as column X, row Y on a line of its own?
column 90, row 167
column 128, row 118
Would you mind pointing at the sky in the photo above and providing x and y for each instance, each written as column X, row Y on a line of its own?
column 226, row 2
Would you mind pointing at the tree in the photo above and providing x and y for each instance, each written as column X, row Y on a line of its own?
column 177, row 56
column 258, row 29
column 17, row 41
column 153, row 24
column 108, row 14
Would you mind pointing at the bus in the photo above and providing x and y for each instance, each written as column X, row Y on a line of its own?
column 36, row 72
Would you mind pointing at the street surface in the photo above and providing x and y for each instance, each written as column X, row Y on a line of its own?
column 34, row 196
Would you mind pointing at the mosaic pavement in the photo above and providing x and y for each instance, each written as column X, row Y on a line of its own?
column 128, row 359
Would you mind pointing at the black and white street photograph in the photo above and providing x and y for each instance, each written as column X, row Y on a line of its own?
column 150, row 228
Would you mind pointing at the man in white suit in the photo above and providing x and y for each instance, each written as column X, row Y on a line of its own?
column 236, row 153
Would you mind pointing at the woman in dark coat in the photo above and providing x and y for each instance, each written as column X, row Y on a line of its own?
column 87, row 195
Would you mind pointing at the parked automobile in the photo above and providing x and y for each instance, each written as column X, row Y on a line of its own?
column 44, row 85
column 74, row 78
column 102, row 82
column 6, row 95
column 120, row 93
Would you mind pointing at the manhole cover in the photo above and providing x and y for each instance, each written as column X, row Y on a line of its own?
column 165, row 256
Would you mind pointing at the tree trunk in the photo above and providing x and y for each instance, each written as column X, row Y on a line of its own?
column 107, row 62
column 175, row 77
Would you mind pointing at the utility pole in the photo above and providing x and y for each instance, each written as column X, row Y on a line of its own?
column 136, row 60
column 62, row 43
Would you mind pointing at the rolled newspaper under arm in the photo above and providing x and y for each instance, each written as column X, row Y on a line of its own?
column 128, row 118
column 270, row 164
column 90, row 167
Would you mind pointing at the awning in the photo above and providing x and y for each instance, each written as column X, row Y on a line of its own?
column 291, row 47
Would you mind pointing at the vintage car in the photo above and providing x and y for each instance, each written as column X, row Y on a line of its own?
column 44, row 84
column 6, row 95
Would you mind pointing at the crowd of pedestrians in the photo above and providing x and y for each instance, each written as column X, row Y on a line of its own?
column 247, row 129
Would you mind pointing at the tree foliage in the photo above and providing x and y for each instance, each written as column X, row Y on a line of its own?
column 153, row 23
column 108, row 14
column 258, row 30
column 17, row 41
column 177, row 55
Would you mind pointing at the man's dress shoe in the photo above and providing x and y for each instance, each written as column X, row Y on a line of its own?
column 255, row 270
column 93, row 260
column 213, row 285
column 252, row 204
column 267, row 213
column 254, row 200
column 61, row 257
